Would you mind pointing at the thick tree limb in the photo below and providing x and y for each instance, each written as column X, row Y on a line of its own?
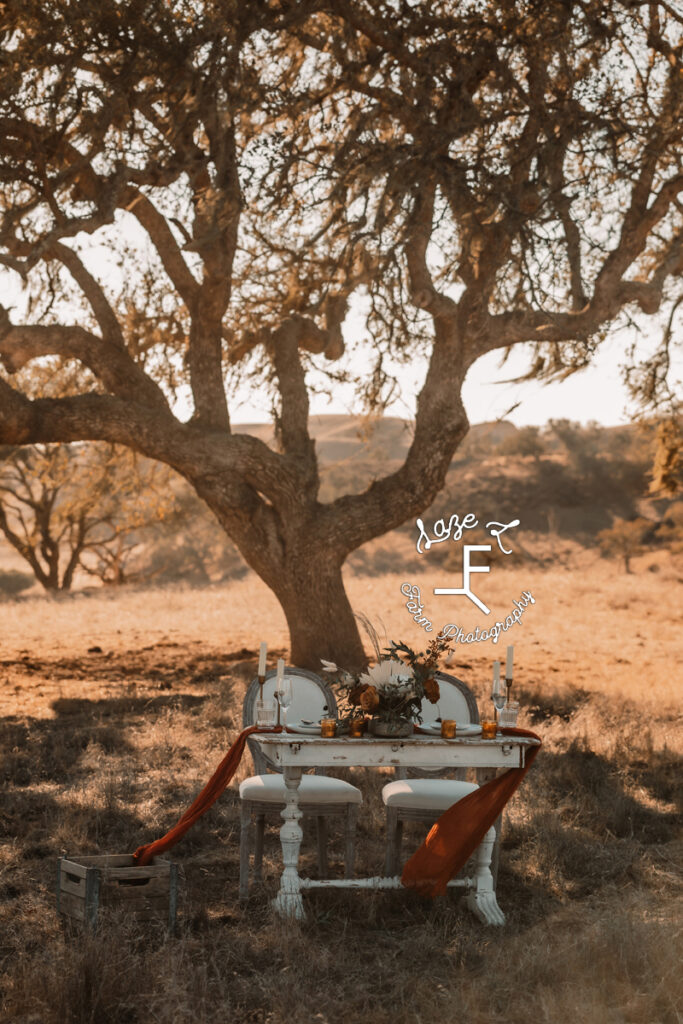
column 440, row 424
column 423, row 292
column 507, row 329
column 293, row 424
column 108, row 361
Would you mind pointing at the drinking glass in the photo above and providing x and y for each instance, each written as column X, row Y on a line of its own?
column 508, row 716
column 498, row 695
column 265, row 713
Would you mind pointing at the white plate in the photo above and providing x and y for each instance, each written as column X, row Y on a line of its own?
column 461, row 729
column 468, row 729
column 299, row 727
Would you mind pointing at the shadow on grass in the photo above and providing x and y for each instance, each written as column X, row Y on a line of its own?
column 105, row 707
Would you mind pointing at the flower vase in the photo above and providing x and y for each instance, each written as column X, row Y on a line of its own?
column 391, row 728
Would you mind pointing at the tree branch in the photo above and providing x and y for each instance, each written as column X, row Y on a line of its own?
column 423, row 292
column 293, row 424
column 94, row 293
column 110, row 363
column 155, row 224
column 440, row 425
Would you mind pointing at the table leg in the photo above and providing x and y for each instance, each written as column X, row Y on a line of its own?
column 485, row 775
column 289, row 902
column 482, row 901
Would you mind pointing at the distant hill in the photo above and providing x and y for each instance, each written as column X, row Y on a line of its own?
column 565, row 481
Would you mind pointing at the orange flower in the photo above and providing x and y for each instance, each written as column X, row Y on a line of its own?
column 369, row 699
column 356, row 693
column 431, row 688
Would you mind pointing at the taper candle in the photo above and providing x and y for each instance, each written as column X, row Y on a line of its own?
column 496, row 677
column 280, row 671
column 508, row 663
column 262, row 658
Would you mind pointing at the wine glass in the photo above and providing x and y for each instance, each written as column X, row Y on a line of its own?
column 284, row 698
column 498, row 695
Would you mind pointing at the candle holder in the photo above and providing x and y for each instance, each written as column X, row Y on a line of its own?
column 508, row 684
column 328, row 727
column 488, row 730
column 448, row 727
column 261, row 681
column 356, row 727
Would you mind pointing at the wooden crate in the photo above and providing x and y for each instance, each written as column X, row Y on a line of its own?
column 86, row 885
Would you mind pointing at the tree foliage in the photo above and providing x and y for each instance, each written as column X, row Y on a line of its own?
column 625, row 539
column 196, row 193
column 64, row 508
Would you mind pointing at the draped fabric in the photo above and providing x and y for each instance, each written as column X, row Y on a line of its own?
column 208, row 796
column 458, row 832
column 449, row 844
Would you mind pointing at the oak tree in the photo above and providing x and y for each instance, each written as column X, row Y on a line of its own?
column 194, row 193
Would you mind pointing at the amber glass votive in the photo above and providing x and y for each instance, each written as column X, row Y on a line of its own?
column 356, row 727
column 328, row 727
column 488, row 730
column 448, row 729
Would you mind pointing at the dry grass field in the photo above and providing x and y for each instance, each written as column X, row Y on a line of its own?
column 116, row 707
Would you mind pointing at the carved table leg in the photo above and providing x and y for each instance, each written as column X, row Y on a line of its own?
column 482, row 901
column 485, row 775
column 288, row 901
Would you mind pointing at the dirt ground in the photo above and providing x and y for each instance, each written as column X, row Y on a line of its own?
column 115, row 707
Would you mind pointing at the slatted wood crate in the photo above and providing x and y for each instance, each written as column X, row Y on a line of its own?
column 88, row 885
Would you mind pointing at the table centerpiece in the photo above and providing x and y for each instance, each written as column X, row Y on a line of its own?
column 388, row 694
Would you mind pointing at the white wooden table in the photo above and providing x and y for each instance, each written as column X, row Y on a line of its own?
column 294, row 753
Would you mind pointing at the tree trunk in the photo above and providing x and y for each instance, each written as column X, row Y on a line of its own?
column 319, row 615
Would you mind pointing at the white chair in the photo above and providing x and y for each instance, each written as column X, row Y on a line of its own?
column 423, row 794
column 319, row 796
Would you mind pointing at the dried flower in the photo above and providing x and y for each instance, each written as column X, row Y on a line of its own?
column 431, row 689
column 369, row 699
column 356, row 693
column 395, row 687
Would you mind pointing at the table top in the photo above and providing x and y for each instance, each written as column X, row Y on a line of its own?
column 295, row 750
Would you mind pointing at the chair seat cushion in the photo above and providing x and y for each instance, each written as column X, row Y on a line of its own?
column 431, row 794
column 312, row 789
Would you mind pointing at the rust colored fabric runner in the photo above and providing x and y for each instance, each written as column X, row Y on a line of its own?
column 455, row 836
column 208, row 796
column 450, row 843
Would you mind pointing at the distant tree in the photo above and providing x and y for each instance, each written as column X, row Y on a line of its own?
column 65, row 506
column 670, row 531
column 625, row 539
column 525, row 441
column 191, row 192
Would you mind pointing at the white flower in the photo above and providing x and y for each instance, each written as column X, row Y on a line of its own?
column 328, row 666
column 390, row 677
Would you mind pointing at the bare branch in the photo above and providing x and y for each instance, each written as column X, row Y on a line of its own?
column 156, row 226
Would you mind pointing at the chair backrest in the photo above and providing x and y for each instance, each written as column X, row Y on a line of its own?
column 456, row 701
column 311, row 698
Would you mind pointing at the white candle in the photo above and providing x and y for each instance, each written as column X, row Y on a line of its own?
column 508, row 663
column 496, row 677
column 280, row 671
column 262, row 658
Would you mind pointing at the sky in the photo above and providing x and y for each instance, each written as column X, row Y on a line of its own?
column 595, row 394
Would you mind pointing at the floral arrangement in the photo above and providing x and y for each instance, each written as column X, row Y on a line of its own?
column 394, row 688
